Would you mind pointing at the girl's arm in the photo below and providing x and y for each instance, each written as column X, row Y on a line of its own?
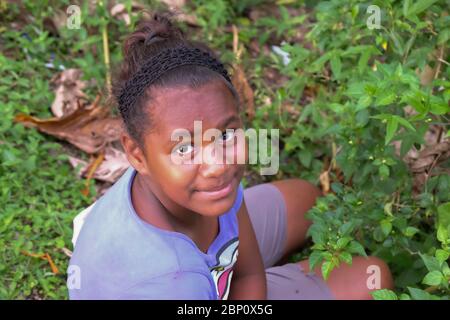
column 249, row 277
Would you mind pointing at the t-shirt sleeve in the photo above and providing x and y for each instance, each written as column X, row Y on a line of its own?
column 239, row 197
column 172, row 286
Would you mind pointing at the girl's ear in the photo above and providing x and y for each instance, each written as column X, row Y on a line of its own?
column 134, row 154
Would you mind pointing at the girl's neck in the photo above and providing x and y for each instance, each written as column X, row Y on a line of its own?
column 157, row 208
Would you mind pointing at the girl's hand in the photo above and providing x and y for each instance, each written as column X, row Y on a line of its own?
column 249, row 276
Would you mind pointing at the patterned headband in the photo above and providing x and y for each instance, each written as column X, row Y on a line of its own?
column 164, row 61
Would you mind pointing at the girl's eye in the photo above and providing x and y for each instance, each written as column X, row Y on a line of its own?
column 184, row 149
column 227, row 136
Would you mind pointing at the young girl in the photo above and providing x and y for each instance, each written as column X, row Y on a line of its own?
column 187, row 230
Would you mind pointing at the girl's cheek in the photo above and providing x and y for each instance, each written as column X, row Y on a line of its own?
column 237, row 153
column 179, row 174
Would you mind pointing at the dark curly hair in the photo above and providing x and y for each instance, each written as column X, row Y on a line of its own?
column 152, row 35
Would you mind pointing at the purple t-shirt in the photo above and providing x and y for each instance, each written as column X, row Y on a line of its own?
column 119, row 256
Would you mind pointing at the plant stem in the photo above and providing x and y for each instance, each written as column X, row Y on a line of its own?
column 106, row 56
column 106, row 52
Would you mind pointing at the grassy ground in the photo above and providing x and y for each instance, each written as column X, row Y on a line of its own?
column 312, row 100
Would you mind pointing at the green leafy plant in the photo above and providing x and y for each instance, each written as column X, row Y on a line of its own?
column 351, row 103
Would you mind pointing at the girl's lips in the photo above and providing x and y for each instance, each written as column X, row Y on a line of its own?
column 217, row 194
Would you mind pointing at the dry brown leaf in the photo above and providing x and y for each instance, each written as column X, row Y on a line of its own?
column 239, row 79
column 177, row 6
column 69, row 92
column 436, row 149
column 438, row 153
column 67, row 252
column 88, row 128
column 325, row 182
column 119, row 11
column 422, row 163
column 244, row 90
column 114, row 164
column 44, row 256
column 427, row 75
column 174, row 3
column 91, row 169
column 292, row 110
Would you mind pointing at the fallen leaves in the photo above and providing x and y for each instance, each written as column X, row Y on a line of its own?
column 67, row 252
column 68, row 92
column 429, row 158
column 331, row 172
column 244, row 90
column 430, row 155
column 324, row 179
column 119, row 11
column 88, row 128
column 43, row 256
column 112, row 165
column 239, row 79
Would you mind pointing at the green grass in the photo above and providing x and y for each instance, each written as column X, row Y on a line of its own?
column 342, row 101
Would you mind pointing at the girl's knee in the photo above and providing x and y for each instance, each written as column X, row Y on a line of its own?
column 377, row 275
column 300, row 195
column 298, row 185
column 379, row 270
column 366, row 274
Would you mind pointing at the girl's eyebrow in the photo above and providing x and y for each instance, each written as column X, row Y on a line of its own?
column 221, row 125
column 225, row 122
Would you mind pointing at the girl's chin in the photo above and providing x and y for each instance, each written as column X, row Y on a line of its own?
column 216, row 207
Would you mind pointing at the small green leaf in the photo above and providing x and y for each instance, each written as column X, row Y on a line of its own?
column 410, row 231
column 392, row 125
column 405, row 123
column 388, row 208
column 356, row 247
column 418, row 294
column 346, row 257
column 406, row 6
column 444, row 214
column 336, row 66
column 433, row 278
column 314, row 259
column 386, row 227
column 384, row 294
column 386, row 99
column 442, row 234
column 363, row 102
column 346, row 228
column 342, row 242
column 431, row 263
column 442, row 255
column 305, row 157
column 363, row 60
column 419, row 7
column 383, row 170
column 327, row 266
column 405, row 296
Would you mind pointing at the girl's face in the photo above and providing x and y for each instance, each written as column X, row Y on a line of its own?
column 207, row 187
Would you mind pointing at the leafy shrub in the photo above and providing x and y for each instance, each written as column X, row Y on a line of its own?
column 353, row 103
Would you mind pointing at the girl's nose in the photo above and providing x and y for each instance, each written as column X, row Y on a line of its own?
column 212, row 170
column 212, row 163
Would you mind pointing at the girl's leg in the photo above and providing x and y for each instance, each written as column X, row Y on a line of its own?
column 356, row 281
column 300, row 196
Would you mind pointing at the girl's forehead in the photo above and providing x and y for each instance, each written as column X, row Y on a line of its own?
column 179, row 107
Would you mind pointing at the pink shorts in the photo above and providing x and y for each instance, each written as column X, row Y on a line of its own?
column 267, row 211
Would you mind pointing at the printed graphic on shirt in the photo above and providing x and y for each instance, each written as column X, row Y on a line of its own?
column 222, row 272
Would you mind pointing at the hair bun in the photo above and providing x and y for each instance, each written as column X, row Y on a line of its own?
column 153, row 37
column 159, row 28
